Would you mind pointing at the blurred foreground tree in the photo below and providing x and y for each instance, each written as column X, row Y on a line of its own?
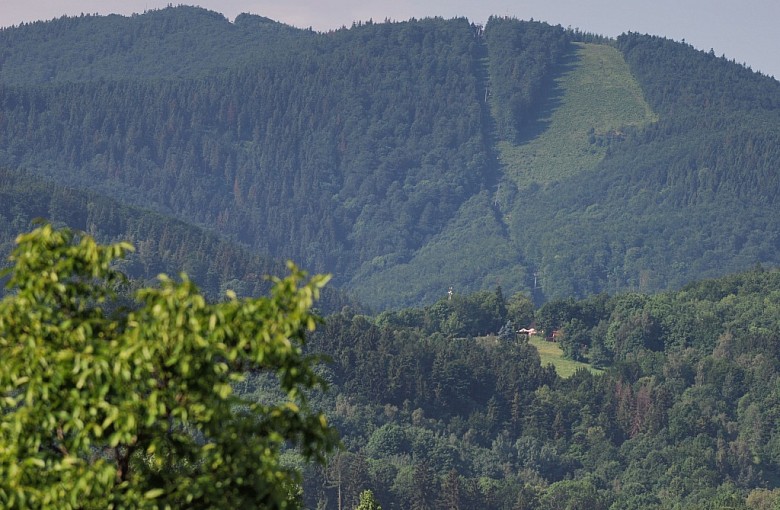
column 103, row 406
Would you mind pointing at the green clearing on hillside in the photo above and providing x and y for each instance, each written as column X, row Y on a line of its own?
column 595, row 90
column 551, row 353
column 474, row 237
column 592, row 98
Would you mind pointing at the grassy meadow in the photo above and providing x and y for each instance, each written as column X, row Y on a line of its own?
column 593, row 97
column 551, row 353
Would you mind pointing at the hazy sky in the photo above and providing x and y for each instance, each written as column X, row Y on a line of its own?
column 744, row 30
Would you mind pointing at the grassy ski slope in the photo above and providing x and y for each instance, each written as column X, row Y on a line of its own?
column 593, row 98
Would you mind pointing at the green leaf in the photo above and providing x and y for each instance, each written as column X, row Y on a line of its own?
column 154, row 493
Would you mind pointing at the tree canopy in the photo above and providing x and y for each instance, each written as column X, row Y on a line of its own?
column 107, row 402
column 683, row 414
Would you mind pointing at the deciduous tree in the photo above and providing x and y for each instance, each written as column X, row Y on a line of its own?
column 107, row 407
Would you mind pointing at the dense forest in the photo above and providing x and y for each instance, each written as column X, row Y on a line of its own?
column 683, row 416
column 371, row 153
column 161, row 245
column 521, row 60
column 314, row 157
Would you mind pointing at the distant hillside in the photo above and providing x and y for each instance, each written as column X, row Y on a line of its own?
column 356, row 145
column 409, row 157
column 172, row 43
column 162, row 245
column 693, row 194
column 591, row 98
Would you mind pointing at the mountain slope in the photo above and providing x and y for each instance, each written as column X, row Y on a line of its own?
column 330, row 156
column 162, row 245
column 473, row 251
column 409, row 157
column 591, row 100
column 694, row 194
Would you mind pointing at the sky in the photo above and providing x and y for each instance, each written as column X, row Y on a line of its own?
column 742, row 30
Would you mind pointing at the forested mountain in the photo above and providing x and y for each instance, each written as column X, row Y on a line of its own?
column 406, row 158
column 329, row 155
